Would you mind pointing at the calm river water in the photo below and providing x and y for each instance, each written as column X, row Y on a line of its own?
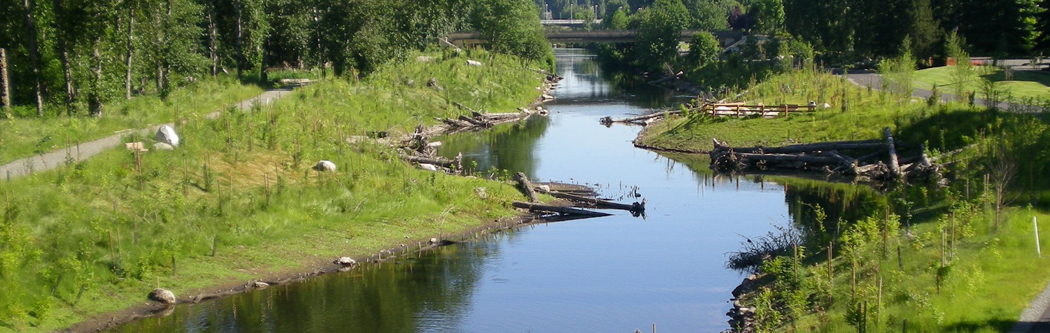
column 611, row 274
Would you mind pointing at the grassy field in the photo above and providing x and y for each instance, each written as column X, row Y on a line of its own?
column 96, row 236
column 982, row 285
column 27, row 136
column 1024, row 84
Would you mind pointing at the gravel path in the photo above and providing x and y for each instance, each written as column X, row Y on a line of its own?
column 86, row 150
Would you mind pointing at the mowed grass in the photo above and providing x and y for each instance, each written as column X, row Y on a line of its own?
column 96, row 236
column 1023, row 84
column 28, row 136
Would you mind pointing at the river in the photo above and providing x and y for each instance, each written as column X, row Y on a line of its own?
column 611, row 274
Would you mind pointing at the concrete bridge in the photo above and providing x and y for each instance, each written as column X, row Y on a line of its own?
column 568, row 23
column 598, row 36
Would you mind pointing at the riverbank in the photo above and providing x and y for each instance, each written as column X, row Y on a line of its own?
column 934, row 259
column 238, row 200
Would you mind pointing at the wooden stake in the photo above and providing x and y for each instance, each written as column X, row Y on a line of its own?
column 1035, row 226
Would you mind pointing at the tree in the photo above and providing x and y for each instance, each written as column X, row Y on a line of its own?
column 925, row 31
column 962, row 72
column 1042, row 26
column 768, row 15
column 659, row 31
column 703, row 50
column 31, row 37
column 511, row 26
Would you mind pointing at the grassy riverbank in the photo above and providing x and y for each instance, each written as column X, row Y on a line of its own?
column 982, row 276
column 28, row 136
column 238, row 200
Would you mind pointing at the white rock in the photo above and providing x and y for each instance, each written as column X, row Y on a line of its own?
column 162, row 295
column 547, row 97
column 345, row 262
column 162, row 146
column 433, row 241
column 166, row 134
column 325, row 165
column 544, row 188
column 428, row 167
column 473, row 63
column 825, row 106
column 260, row 285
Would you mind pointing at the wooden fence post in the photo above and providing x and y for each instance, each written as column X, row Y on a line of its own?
column 1035, row 226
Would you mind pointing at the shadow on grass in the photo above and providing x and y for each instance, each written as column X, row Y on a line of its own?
column 994, row 325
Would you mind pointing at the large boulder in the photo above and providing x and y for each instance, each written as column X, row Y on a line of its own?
column 166, row 134
column 325, row 166
column 163, row 296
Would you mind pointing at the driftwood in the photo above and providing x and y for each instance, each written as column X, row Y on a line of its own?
column 830, row 158
column 456, row 164
column 637, row 207
column 895, row 168
column 639, row 120
column 526, row 185
column 557, row 209
column 480, row 120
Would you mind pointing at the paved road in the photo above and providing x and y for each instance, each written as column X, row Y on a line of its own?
column 874, row 80
column 86, row 150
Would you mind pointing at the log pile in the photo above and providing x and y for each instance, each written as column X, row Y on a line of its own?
column 479, row 120
column 419, row 150
column 573, row 197
column 882, row 161
column 643, row 120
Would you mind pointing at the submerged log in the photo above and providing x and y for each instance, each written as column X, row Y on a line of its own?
column 557, row 209
column 526, row 185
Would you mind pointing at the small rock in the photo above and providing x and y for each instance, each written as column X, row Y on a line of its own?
column 433, row 241
column 163, row 296
column 812, row 104
column 166, row 134
column 825, row 106
column 473, row 63
column 547, row 97
column 428, row 167
column 544, row 188
column 325, row 165
column 260, row 285
column 163, row 146
column 345, row 262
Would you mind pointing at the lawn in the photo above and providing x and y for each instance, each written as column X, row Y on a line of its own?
column 1024, row 84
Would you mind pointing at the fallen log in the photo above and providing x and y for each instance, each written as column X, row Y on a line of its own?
column 790, row 158
column 597, row 203
column 474, row 122
column 557, row 209
column 895, row 168
column 813, row 147
column 526, row 185
column 456, row 164
column 640, row 120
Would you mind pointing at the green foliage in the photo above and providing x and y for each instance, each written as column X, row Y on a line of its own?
column 703, row 50
column 658, row 32
column 769, row 16
column 898, row 74
column 510, row 26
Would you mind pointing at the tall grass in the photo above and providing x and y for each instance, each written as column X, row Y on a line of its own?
column 95, row 236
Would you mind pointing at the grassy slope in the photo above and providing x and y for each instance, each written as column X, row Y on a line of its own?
column 24, row 137
column 994, row 275
column 244, row 183
column 1025, row 84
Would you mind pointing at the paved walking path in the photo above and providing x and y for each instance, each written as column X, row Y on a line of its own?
column 86, row 150
column 874, row 80
column 1036, row 318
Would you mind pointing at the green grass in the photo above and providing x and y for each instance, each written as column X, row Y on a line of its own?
column 994, row 274
column 115, row 227
column 29, row 136
column 1025, row 84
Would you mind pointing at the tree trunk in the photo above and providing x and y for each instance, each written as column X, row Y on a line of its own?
column 5, row 85
column 240, row 43
column 557, row 209
column 95, row 97
column 526, row 186
column 34, row 54
column 212, row 40
column 63, row 53
column 893, row 163
column 131, row 37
